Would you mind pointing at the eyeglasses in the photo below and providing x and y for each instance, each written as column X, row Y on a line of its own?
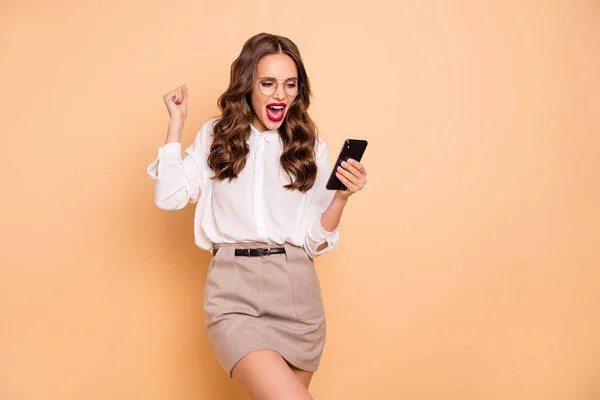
column 269, row 86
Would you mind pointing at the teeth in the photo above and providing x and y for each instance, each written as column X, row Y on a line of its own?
column 276, row 107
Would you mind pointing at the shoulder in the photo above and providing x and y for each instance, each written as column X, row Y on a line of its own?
column 205, row 133
column 203, row 139
column 208, row 126
column 321, row 148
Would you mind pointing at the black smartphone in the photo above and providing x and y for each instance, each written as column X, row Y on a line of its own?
column 352, row 148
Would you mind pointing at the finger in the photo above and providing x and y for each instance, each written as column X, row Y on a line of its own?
column 178, row 96
column 351, row 169
column 357, row 180
column 351, row 177
column 349, row 185
column 347, row 175
column 184, row 91
column 171, row 93
column 358, row 166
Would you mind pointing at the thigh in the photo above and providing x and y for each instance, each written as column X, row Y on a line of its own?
column 303, row 376
column 265, row 375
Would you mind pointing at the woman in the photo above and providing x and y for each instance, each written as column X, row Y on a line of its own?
column 257, row 175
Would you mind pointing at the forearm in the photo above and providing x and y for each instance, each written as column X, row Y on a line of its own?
column 174, row 131
column 331, row 218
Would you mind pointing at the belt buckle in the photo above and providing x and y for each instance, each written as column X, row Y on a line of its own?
column 248, row 251
column 268, row 251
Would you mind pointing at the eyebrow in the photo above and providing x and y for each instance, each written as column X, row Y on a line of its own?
column 273, row 79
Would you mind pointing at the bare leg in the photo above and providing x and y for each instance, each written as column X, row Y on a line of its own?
column 265, row 375
column 303, row 376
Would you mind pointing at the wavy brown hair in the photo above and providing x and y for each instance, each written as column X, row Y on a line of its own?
column 298, row 133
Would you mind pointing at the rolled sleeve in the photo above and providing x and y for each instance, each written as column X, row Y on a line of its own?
column 316, row 235
column 169, row 154
column 178, row 179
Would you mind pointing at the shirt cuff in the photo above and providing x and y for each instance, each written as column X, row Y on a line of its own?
column 168, row 152
column 169, row 148
column 318, row 235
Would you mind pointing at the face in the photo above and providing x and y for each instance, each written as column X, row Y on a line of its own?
column 276, row 73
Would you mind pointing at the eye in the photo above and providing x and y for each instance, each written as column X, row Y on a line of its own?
column 266, row 84
column 291, row 85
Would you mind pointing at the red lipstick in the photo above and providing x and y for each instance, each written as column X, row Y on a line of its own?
column 276, row 111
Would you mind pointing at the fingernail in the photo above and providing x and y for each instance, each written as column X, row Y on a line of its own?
column 350, row 161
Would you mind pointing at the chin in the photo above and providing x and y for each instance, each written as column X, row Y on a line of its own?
column 272, row 125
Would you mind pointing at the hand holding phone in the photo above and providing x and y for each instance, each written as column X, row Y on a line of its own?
column 352, row 149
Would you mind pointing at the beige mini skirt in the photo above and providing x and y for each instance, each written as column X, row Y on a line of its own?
column 270, row 302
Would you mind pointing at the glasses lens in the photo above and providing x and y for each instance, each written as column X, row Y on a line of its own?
column 267, row 88
column 292, row 88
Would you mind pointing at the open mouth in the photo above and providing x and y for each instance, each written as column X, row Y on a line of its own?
column 275, row 111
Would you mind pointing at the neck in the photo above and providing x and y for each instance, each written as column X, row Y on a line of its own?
column 259, row 125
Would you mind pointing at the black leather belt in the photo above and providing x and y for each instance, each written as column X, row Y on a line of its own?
column 256, row 252
column 259, row 252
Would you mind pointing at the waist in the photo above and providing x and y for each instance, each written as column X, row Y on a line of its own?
column 246, row 245
column 253, row 249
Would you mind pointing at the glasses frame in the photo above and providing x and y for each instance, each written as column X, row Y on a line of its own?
column 277, row 83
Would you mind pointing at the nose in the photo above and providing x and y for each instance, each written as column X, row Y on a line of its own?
column 279, row 93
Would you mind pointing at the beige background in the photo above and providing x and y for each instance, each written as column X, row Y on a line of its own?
column 468, row 268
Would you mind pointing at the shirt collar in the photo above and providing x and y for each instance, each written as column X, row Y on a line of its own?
column 268, row 136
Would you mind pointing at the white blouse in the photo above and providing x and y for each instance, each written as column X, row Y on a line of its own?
column 254, row 207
